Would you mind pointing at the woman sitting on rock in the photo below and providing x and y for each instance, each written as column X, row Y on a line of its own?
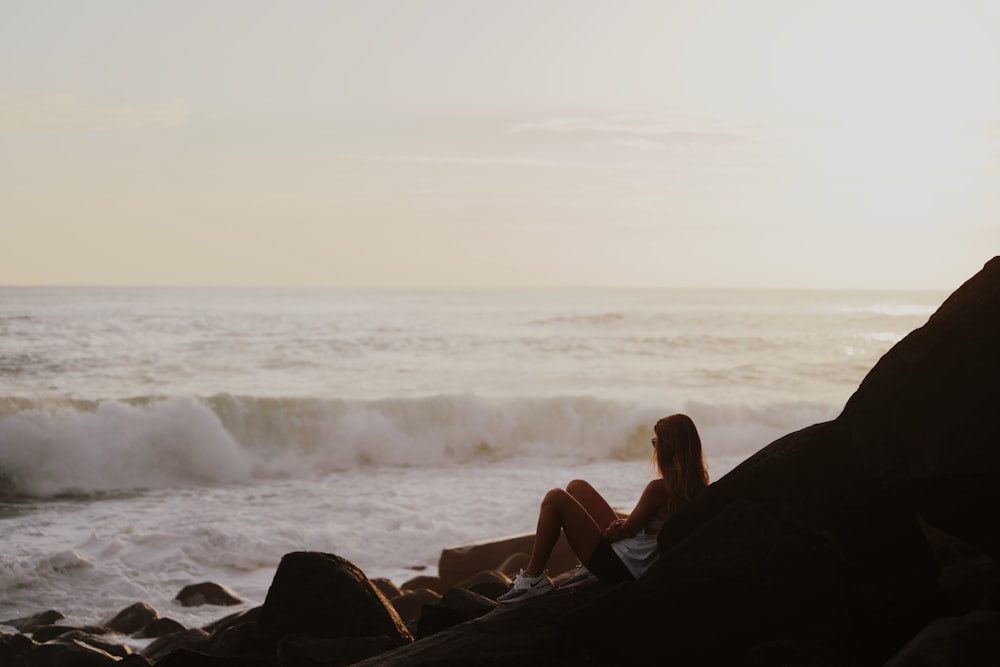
column 612, row 549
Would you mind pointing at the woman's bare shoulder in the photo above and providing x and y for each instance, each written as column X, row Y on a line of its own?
column 656, row 492
column 656, row 495
column 656, row 486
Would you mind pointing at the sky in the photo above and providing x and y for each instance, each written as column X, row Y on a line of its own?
column 495, row 143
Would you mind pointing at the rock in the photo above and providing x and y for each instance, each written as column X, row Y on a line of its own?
column 524, row 634
column 244, row 616
column 132, row 619
column 325, row 597
column 135, row 660
column 47, row 633
column 962, row 641
column 968, row 577
column 456, row 606
column 185, row 657
column 424, row 581
column 410, row 604
column 28, row 624
column 195, row 640
column 514, row 564
column 73, row 653
column 489, row 583
column 924, row 422
column 239, row 640
column 801, row 527
column 14, row 649
column 158, row 628
column 196, row 595
column 235, row 636
column 386, row 587
column 50, row 632
column 111, row 648
column 304, row 651
column 816, row 549
column 458, row 563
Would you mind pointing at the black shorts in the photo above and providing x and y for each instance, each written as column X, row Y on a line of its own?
column 607, row 566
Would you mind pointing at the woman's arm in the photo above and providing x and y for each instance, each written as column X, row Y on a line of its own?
column 653, row 497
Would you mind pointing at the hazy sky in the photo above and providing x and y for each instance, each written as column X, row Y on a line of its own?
column 774, row 143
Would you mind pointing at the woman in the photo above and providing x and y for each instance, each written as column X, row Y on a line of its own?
column 613, row 549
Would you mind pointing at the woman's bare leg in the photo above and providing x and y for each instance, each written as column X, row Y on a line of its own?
column 560, row 511
column 593, row 502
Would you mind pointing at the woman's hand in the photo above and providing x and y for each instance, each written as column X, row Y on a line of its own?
column 613, row 532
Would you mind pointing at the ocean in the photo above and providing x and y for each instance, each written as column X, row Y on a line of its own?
column 152, row 438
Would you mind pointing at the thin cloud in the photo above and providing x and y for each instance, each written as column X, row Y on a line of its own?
column 49, row 112
column 638, row 144
column 674, row 131
column 500, row 161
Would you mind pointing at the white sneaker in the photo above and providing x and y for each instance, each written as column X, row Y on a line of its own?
column 526, row 587
column 580, row 577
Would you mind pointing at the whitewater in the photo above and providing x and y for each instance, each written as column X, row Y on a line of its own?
column 151, row 438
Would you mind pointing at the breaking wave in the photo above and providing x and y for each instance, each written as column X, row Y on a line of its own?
column 54, row 447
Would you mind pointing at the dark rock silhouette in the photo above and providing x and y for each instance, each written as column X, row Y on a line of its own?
column 158, row 628
column 132, row 618
column 194, row 639
column 28, row 624
column 325, row 597
column 207, row 593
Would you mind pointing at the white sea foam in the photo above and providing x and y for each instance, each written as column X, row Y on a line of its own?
column 117, row 446
column 67, row 447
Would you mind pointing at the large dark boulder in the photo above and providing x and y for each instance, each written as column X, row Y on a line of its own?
column 926, row 421
column 325, row 597
column 816, row 549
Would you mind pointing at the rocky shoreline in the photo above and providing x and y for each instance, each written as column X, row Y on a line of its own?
column 469, row 579
column 871, row 539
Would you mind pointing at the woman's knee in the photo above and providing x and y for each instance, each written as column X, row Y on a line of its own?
column 555, row 496
column 578, row 486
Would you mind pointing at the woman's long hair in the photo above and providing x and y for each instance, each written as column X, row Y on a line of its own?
column 680, row 460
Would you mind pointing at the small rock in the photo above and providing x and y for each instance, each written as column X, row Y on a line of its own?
column 239, row 617
column 111, row 648
column 424, row 581
column 456, row 606
column 132, row 618
column 410, row 604
column 488, row 583
column 73, row 653
column 158, row 628
column 514, row 563
column 459, row 563
column 196, row 595
column 386, row 587
column 232, row 641
column 193, row 640
column 50, row 632
column 28, row 624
